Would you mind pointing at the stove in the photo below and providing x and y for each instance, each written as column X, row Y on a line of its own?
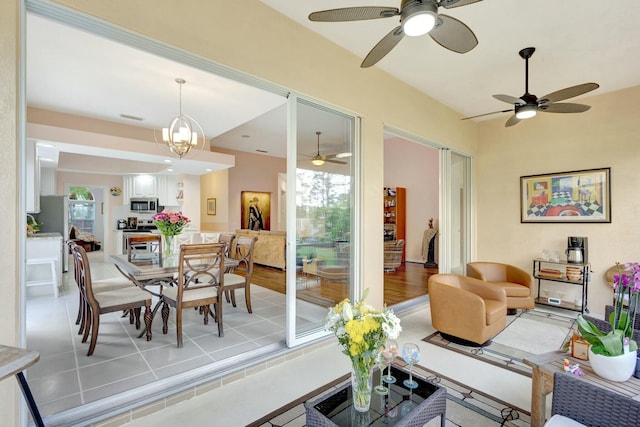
column 144, row 226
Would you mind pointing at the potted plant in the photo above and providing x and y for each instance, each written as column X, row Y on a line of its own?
column 613, row 354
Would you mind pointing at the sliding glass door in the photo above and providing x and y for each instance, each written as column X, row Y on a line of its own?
column 321, row 216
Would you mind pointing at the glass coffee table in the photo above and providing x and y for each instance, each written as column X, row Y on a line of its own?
column 401, row 407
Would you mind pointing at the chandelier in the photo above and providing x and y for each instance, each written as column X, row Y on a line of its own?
column 183, row 132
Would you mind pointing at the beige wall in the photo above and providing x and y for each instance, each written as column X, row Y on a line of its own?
column 415, row 167
column 13, row 201
column 605, row 136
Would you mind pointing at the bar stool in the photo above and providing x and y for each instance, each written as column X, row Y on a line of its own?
column 53, row 280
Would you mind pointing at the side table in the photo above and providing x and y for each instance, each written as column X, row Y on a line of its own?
column 13, row 361
column 401, row 407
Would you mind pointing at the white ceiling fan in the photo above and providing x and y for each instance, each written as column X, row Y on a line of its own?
column 319, row 160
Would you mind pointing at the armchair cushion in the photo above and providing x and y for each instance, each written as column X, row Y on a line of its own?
column 518, row 285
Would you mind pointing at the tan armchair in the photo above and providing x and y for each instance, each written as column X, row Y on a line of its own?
column 466, row 309
column 517, row 283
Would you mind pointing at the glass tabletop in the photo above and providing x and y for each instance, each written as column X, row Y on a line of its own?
column 385, row 410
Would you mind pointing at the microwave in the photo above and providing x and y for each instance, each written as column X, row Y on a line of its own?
column 143, row 205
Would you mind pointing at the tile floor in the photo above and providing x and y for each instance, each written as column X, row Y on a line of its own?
column 65, row 377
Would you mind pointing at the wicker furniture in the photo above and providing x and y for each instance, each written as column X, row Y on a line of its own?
column 393, row 251
column 400, row 408
column 547, row 364
column 592, row 405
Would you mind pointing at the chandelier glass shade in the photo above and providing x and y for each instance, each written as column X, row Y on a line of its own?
column 183, row 132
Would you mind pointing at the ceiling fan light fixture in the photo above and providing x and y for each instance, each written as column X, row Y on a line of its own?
column 526, row 111
column 418, row 19
column 317, row 162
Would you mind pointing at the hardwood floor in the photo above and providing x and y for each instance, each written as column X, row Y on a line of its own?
column 407, row 282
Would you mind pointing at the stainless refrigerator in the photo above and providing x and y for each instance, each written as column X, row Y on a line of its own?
column 54, row 216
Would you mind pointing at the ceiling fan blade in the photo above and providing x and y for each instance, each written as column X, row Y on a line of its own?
column 383, row 47
column 487, row 114
column 565, row 107
column 513, row 120
column 353, row 14
column 453, row 34
column 569, row 92
column 340, row 162
column 450, row 4
column 509, row 99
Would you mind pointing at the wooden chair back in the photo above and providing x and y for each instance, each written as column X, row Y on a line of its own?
column 144, row 248
column 240, row 278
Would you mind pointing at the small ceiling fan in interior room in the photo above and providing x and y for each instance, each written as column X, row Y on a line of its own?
column 319, row 160
column 528, row 105
column 417, row 17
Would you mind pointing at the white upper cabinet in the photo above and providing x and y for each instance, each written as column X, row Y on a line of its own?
column 139, row 186
column 33, row 177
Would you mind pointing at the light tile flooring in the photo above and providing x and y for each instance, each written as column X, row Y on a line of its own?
column 65, row 377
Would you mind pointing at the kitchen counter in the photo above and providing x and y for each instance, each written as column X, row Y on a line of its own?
column 45, row 236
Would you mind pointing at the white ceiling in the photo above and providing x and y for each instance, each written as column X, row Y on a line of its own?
column 576, row 41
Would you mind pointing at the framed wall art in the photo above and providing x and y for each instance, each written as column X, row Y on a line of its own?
column 576, row 196
column 255, row 210
column 211, row 206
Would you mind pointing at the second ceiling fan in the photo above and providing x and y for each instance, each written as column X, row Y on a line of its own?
column 417, row 17
column 528, row 105
column 319, row 159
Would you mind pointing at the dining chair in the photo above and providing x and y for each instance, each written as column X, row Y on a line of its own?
column 102, row 285
column 199, row 284
column 209, row 237
column 181, row 239
column 240, row 277
column 144, row 248
column 131, row 298
column 227, row 238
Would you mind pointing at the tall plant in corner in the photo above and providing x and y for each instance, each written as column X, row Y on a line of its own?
column 626, row 286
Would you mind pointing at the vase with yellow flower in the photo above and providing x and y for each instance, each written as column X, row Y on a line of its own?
column 362, row 331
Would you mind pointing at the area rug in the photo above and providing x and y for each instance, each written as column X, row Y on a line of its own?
column 466, row 407
column 528, row 333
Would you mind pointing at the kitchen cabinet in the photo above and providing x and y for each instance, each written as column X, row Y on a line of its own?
column 139, row 186
column 33, row 177
column 167, row 186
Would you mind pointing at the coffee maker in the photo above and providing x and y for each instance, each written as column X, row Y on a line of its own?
column 577, row 252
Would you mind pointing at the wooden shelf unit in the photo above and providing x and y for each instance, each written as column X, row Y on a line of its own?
column 395, row 211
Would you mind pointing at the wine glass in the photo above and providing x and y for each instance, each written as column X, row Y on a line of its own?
column 389, row 353
column 380, row 364
column 411, row 355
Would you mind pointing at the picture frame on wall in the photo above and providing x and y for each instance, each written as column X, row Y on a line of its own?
column 255, row 212
column 566, row 197
column 211, row 206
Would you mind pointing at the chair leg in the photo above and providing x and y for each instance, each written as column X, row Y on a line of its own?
column 205, row 311
column 148, row 317
column 136, row 313
column 95, row 325
column 226, row 294
column 247, row 297
column 79, row 308
column 233, row 297
column 88, row 324
column 218, row 309
column 179, row 326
